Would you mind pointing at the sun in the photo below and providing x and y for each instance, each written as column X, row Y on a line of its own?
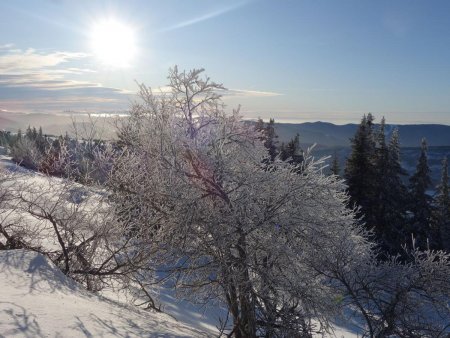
column 113, row 43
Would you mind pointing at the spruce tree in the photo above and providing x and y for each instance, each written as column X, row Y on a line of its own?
column 18, row 137
column 335, row 168
column 360, row 170
column 380, row 189
column 259, row 125
column 41, row 141
column 269, row 136
column 383, row 191
column 29, row 133
column 270, row 141
column 292, row 151
column 390, row 203
column 283, row 153
column 421, row 201
column 441, row 222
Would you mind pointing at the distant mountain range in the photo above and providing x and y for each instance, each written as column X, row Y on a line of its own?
column 329, row 138
column 324, row 134
column 327, row 135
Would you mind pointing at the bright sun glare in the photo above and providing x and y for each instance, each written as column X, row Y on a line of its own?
column 113, row 43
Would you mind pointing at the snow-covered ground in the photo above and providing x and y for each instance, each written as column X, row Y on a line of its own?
column 38, row 300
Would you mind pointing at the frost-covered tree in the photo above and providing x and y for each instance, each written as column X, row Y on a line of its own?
column 282, row 251
column 76, row 227
column 225, row 227
column 29, row 150
column 397, row 299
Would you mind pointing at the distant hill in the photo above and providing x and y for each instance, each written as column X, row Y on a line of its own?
column 327, row 135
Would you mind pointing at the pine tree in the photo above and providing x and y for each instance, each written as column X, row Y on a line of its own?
column 282, row 151
column 269, row 136
column 19, row 137
column 421, row 201
column 360, row 170
column 292, row 151
column 375, row 165
column 271, row 139
column 390, row 203
column 29, row 133
column 41, row 142
column 380, row 189
column 335, row 168
column 441, row 221
column 260, row 125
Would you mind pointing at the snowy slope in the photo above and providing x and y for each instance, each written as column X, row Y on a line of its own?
column 38, row 300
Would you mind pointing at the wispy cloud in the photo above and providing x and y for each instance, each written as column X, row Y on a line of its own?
column 42, row 81
column 249, row 93
column 17, row 60
column 40, row 70
column 207, row 16
column 32, row 80
column 226, row 92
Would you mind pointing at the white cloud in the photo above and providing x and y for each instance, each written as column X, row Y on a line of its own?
column 17, row 61
column 32, row 80
column 34, row 69
column 48, row 81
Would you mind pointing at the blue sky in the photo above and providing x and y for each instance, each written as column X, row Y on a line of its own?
column 299, row 60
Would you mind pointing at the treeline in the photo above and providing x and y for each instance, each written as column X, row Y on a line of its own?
column 397, row 209
column 61, row 156
column 400, row 210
